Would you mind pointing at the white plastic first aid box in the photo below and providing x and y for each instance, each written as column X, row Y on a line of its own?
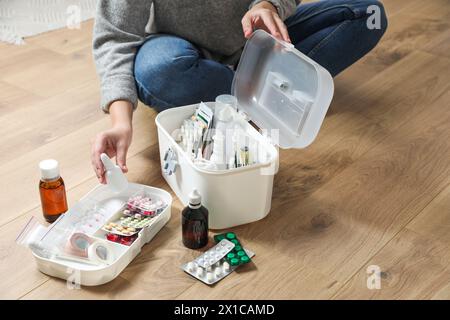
column 283, row 92
column 52, row 257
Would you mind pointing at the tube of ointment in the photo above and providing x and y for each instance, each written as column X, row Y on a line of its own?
column 201, row 137
column 189, row 148
column 181, row 135
column 253, row 156
column 199, row 154
column 194, row 133
column 207, row 151
column 244, row 156
column 238, row 160
column 231, row 164
column 197, row 138
column 236, row 149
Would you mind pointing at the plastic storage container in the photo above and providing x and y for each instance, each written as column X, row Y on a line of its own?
column 104, row 201
column 283, row 92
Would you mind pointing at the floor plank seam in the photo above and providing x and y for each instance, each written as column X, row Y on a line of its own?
column 428, row 51
column 35, row 288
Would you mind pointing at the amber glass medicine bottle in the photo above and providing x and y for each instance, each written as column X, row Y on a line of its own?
column 194, row 222
column 52, row 190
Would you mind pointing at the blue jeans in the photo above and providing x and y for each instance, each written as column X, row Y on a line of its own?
column 170, row 71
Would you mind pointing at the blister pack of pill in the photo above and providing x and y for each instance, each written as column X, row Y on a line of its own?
column 125, row 240
column 144, row 205
column 212, row 273
column 116, row 228
column 214, row 254
column 238, row 255
column 132, row 222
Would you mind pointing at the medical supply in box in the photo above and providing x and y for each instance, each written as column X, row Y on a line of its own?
column 281, row 91
column 224, row 145
column 91, row 239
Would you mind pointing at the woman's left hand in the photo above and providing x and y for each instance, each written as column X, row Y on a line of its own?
column 265, row 16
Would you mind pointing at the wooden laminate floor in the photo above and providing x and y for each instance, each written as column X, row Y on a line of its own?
column 374, row 189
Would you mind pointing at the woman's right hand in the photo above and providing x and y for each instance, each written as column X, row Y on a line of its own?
column 115, row 141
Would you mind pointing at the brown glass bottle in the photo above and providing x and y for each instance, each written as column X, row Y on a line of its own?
column 194, row 223
column 52, row 191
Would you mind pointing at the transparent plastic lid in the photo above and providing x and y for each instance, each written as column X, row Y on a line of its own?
column 282, row 90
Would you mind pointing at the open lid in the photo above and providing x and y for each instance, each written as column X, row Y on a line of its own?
column 282, row 90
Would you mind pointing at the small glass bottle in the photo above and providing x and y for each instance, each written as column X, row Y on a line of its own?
column 194, row 222
column 52, row 190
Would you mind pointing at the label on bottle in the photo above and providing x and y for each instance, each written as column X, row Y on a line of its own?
column 195, row 233
column 53, row 200
column 198, row 230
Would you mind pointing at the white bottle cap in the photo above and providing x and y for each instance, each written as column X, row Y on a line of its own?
column 49, row 169
column 227, row 99
column 195, row 199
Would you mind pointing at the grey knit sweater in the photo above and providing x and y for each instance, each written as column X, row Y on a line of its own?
column 121, row 26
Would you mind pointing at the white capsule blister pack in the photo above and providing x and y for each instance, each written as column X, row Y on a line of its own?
column 211, row 266
column 213, row 255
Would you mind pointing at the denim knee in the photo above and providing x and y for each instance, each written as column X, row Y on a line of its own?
column 371, row 16
column 156, row 67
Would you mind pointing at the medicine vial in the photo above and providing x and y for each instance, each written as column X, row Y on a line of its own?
column 52, row 190
column 194, row 222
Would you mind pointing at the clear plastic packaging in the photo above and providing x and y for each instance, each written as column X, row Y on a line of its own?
column 71, row 236
column 60, row 243
column 31, row 235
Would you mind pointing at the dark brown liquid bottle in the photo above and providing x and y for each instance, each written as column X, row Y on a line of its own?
column 52, row 191
column 194, row 223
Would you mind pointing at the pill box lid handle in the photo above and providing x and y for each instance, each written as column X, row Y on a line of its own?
column 282, row 90
column 115, row 179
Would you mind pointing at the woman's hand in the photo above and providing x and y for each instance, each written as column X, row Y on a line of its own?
column 115, row 141
column 264, row 16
